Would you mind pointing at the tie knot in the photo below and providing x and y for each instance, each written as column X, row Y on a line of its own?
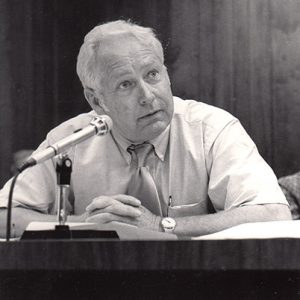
column 140, row 152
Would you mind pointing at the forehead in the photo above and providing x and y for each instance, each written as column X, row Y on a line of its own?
column 126, row 52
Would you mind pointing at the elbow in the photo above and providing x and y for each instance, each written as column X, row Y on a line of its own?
column 278, row 212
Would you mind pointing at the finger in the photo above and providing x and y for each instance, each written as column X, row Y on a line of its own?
column 126, row 199
column 119, row 209
column 100, row 203
column 105, row 218
column 104, row 201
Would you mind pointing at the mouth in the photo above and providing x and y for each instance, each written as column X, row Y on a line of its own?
column 149, row 115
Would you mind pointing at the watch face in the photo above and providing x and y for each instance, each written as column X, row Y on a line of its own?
column 168, row 223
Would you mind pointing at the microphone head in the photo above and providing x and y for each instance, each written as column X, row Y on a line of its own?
column 109, row 122
column 103, row 124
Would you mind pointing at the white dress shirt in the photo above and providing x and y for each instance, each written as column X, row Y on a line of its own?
column 203, row 159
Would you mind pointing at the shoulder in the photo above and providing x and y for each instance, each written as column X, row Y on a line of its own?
column 202, row 114
column 68, row 127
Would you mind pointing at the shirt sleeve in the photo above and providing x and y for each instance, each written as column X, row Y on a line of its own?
column 34, row 187
column 238, row 174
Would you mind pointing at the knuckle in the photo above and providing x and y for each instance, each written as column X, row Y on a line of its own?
column 113, row 206
column 107, row 217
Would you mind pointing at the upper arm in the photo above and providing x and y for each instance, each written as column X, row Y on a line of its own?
column 238, row 174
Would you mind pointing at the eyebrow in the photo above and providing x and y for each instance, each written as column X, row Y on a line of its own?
column 150, row 61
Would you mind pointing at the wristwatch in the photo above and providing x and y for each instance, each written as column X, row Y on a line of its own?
column 168, row 224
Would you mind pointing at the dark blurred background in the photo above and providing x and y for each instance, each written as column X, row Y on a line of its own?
column 240, row 55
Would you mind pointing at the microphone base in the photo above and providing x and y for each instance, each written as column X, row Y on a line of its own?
column 63, row 232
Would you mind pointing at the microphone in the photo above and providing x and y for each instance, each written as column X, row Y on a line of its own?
column 100, row 125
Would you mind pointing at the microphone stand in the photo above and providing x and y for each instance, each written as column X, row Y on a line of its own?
column 63, row 174
column 62, row 231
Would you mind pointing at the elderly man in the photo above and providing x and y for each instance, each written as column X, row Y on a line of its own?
column 168, row 165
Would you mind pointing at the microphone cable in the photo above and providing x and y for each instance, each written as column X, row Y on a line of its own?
column 10, row 197
column 9, row 206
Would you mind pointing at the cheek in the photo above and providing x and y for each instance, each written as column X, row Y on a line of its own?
column 124, row 112
column 116, row 106
column 164, row 91
column 124, row 116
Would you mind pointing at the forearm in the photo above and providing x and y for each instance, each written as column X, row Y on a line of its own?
column 206, row 224
column 21, row 217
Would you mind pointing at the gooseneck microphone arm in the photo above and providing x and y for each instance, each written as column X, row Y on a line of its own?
column 100, row 125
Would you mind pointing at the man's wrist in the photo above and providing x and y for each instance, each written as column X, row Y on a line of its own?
column 157, row 224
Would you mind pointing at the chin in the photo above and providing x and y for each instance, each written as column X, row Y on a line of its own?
column 150, row 131
column 156, row 131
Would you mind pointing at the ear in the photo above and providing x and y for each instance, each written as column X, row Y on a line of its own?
column 95, row 100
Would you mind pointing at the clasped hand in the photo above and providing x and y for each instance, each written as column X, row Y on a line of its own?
column 121, row 208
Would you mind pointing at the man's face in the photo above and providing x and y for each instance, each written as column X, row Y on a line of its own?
column 135, row 90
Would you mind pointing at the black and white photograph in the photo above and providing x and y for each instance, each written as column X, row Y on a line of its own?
column 149, row 149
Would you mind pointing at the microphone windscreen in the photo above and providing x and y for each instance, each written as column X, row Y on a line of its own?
column 109, row 122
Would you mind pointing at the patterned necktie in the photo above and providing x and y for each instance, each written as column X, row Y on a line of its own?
column 142, row 185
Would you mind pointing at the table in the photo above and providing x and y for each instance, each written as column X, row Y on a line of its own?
column 239, row 269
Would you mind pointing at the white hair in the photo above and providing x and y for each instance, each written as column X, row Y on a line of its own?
column 90, row 49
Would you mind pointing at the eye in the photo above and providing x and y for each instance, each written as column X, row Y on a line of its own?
column 153, row 74
column 125, row 85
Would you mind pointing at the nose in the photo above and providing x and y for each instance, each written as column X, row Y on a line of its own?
column 146, row 94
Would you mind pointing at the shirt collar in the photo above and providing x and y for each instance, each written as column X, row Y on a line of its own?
column 160, row 144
